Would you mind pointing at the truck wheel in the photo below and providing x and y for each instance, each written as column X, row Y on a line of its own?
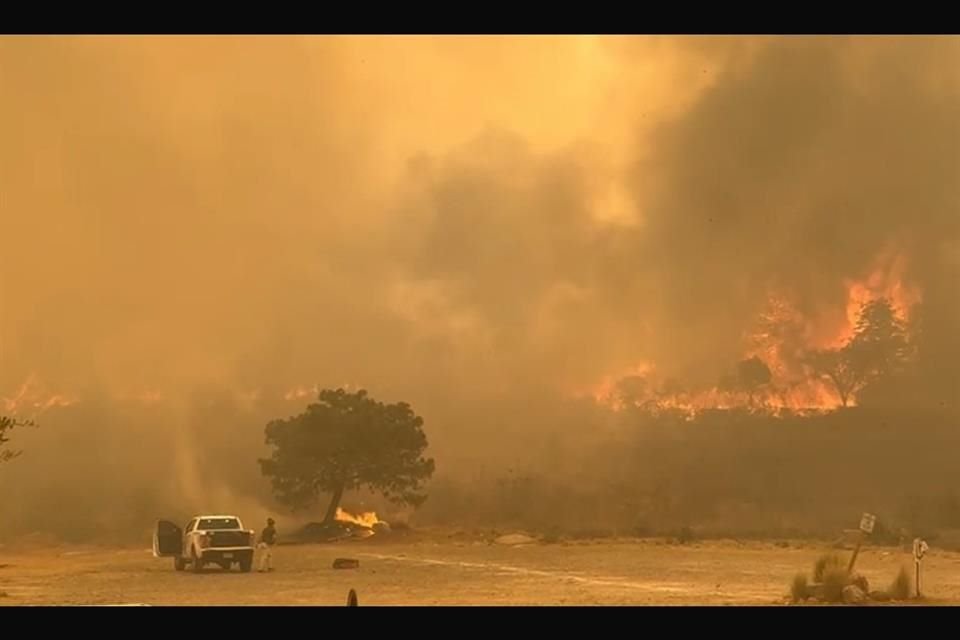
column 196, row 561
column 246, row 563
column 179, row 563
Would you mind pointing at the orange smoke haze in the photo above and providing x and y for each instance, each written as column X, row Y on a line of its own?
column 31, row 398
column 200, row 232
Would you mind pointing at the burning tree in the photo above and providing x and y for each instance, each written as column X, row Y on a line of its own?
column 749, row 377
column 879, row 345
column 837, row 366
column 752, row 374
column 877, row 349
column 347, row 441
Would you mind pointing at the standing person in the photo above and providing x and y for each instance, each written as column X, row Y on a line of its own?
column 268, row 538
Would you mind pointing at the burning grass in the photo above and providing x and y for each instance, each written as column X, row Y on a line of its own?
column 344, row 526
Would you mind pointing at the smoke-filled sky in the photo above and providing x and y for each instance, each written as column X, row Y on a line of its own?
column 448, row 219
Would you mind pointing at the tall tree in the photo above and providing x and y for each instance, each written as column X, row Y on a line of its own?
column 879, row 346
column 877, row 350
column 836, row 366
column 752, row 374
column 346, row 441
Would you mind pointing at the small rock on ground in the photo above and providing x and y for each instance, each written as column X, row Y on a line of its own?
column 346, row 563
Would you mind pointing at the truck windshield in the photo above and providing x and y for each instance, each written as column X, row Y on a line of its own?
column 213, row 524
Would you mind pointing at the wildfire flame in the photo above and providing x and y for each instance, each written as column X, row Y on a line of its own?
column 781, row 340
column 367, row 519
column 32, row 395
column 302, row 391
column 605, row 392
column 150, row 397
column 299, row 392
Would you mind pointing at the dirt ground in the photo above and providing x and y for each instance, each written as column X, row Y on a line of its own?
column 449, row 572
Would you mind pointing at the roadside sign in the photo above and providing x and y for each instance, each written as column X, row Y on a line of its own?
column 920, row 549
column 867, row 520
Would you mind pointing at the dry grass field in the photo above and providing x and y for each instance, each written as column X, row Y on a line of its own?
column 441, row 570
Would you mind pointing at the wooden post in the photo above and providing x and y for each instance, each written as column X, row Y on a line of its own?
column 856, row 552
column 867, row 521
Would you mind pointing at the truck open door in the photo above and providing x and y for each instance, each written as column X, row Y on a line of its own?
column 167, row 540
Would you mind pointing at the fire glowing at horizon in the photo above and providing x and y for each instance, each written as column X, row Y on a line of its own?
column 781, row 339
column 31, row 395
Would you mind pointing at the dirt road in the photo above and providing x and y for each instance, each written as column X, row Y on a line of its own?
column 452, row 573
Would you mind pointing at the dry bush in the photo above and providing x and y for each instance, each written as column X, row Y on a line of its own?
column 799, row 588
column 835, row 578
column 825, row 562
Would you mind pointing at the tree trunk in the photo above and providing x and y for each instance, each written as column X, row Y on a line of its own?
column 841, row 388
column 844, row 395
column 334, row 503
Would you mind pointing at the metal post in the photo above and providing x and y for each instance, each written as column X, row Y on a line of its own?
column 917, row 563
column 919, row 550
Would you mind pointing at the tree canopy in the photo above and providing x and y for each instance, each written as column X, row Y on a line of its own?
column 347, row 441
column 7, row 425
column 752, row 373
column 878, row 349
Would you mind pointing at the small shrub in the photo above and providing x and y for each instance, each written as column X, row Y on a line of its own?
column 799, row 589
column 825, row 562
column 835, row 578
column 685, row 535
column 901, row 587
column 591, row 533
column 551, row 537
column 860, row 580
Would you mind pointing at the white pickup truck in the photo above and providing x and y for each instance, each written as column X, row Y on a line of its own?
column 212, row 539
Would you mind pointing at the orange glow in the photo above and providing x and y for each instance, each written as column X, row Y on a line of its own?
column 31, row 395
column 300, row 391
column 150, row 397
column 781, row 339
column 367, row 519
column 605, row 392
